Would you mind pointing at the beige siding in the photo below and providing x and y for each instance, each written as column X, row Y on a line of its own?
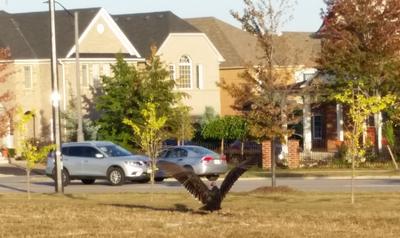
column 96, row 42
column 198, row 49
column 35, row 99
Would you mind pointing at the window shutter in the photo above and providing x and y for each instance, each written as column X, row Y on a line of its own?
column 199, row 74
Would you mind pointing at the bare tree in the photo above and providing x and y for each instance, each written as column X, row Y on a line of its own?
column 265, row 95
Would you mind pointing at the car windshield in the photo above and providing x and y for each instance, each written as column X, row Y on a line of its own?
column 201, row 150
column 114, row 150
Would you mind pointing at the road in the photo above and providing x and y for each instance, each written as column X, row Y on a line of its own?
column 42, row 184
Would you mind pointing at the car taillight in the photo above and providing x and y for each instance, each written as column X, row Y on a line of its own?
column 207, row 159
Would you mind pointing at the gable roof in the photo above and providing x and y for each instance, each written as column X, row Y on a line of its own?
column 115, row 29
column 153, row 28
column 28, row 34
column 240, row 48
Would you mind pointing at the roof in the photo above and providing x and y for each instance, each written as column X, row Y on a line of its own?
column 147, row 29
column 291, row 48
column 28, row 34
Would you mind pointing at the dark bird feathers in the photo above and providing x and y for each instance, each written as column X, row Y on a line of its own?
column 211, row 198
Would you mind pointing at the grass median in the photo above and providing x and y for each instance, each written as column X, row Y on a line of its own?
column 321, row 172
column 266, row 213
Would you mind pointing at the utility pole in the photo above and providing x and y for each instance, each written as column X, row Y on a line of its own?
column 55, row 98
column 80, row 136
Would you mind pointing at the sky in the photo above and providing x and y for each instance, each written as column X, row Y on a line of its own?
column 306, row 16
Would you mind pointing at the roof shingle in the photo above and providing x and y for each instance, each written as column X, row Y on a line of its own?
column 240, row 48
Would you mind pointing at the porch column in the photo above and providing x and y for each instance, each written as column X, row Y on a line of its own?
column 378, row 128
column 307, row 139
column 339, row 122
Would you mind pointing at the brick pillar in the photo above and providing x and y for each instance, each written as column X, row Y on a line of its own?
column 266, row 154
column 294, row 154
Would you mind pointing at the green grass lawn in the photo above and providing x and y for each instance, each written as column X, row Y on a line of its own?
column 257, row 214
column 320, row 172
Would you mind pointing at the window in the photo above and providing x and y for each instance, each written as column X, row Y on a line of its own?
column 172, row 72
column 185, row 73
column 199, row 76
column 82, row 151
column 84, row 75
column 28, row 77
column 96, row 75
column 317, row 127
column 105, row 70
column 180, row 153
column 115, row 151
column 170, row 154
column 305, row 75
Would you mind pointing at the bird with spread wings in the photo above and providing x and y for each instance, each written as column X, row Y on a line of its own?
column 211, row 198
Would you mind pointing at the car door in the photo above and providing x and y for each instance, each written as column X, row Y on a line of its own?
column 181, row 156
column 91, row 165
column 169, row 155
column 72, row 159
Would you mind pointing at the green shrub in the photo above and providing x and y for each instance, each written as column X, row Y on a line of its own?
column 11, row 152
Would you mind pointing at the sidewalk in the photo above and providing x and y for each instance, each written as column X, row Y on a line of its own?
column 17, row 168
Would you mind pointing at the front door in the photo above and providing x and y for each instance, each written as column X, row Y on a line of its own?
column 317, row 131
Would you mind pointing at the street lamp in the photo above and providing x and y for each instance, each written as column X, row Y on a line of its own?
column 80, row 135
column 55, row 98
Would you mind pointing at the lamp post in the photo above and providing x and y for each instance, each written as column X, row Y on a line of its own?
column 55, row 98
column 80, row 136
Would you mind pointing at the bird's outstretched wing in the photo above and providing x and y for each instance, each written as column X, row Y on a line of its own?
column 188, row 179
column 234, row 175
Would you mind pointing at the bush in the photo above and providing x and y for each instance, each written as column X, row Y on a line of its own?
column 11, row 152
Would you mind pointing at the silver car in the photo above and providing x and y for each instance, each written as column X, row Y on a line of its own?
column 93, row 160
column 200, row 160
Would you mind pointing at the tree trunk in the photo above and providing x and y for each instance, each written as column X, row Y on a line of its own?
column 28, row 182
column 352, row 179
column 273, row 164
column 242, row 151
column 393, row 159
column 222, row 146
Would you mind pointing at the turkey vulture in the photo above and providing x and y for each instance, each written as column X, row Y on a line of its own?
column 211, row 198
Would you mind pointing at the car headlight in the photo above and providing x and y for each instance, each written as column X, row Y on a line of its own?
column 134, row 163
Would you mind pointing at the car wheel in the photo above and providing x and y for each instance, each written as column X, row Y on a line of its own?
column 65, row 177
column 88, row 181
column 159, row 179
column 212, row 177
column 188, row 168
column 116, row 176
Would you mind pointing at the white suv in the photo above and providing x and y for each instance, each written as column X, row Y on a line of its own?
column 93, row 160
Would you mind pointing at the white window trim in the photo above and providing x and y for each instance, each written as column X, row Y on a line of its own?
column 190, row 71
column 30, row 77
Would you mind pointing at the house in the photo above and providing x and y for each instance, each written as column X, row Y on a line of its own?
column 191, row 57
column 295, row 52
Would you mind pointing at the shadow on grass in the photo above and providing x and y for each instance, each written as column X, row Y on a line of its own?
column 75, row 197
column 13, row 188
column 178, row 208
